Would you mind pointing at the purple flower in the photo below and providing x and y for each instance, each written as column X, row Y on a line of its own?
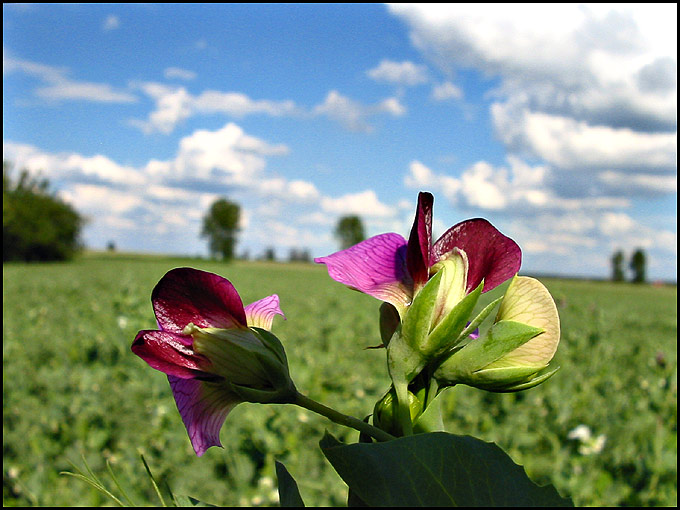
column 215, row 352
column 394, row 270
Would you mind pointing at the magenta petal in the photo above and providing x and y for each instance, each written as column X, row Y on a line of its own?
column 492, row 256
column 376, row 266
column 203, row 407
column 420, row 240
column 205, row 299
column 170, row 353
column 261, row 313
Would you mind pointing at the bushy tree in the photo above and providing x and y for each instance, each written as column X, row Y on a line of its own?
column 617, row 266
column 638, row 264
column 36, row 224
column 220, row 226
column 349, row 231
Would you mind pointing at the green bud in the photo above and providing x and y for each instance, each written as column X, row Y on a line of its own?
column 385, row 411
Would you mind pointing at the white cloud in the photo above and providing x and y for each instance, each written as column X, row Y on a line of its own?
column 590, row 90
column 175, row 104
column 445, row 91
column 576, row 145
column 365, row 204
column 179, row 73
column 354, row 115
column 111, row 22
column 58, row 86
column 592, row 62
column 400, row 73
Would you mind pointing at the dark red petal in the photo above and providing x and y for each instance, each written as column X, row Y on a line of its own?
column 420, row 240
column 492, row 256
column 170, row 353
column 205, row 299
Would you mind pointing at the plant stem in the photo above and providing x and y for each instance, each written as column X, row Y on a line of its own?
column 342, row 419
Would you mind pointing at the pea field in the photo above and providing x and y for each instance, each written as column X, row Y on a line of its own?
column 603, row 430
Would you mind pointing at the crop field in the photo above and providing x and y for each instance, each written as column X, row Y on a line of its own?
column 603, row 430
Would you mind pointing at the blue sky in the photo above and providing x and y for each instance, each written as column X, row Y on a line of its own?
column 557, row 123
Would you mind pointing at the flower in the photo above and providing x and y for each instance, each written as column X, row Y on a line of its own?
column 519, row 345
column 394, row 270
column 215, row 352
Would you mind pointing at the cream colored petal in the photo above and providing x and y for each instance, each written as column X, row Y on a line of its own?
column 528, row 301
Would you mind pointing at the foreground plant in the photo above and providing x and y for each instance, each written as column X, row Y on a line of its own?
column 218, row 353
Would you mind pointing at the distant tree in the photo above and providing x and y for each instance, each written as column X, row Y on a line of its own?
column 111, row 246
column 617, row 266
column 220, row 226
column 269, row 254
column 638, row 263
column 297, row 255
column 36, row 224
column 349, row 231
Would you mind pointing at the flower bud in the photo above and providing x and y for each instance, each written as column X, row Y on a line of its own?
column 519, row 345
column 385, row 412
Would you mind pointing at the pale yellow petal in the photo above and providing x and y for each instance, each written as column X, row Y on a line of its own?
column 528, row 301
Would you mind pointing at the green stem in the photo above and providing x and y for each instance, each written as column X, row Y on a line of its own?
column 337, row 417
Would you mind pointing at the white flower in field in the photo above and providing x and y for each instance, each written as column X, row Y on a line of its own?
column 594, row 446
column 589, row 445
column 582, row 433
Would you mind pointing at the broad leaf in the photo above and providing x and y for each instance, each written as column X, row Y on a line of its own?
column 435, row 469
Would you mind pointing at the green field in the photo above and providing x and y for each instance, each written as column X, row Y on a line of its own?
column 72, row 388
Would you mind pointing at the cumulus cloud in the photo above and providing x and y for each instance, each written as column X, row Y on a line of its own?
column 158, row 206
column 595, row 62
column 587, row 89
column 59, row 87
column 399, row 73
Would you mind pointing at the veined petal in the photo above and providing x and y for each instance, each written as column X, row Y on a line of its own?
column 185, row 295
column 376, row 266
column 420, row 241
column 529, row 302
column 170, row 353
column 203, row 406
column 492, row 256
column 260, row 314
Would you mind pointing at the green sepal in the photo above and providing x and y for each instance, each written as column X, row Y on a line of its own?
column 418, row 320
column 529, row 384
column 474, row 323
column 447, row 333
column 282, row 395
column 504, row 376
column 430, row 419
column 501, row 338
column 272, row 343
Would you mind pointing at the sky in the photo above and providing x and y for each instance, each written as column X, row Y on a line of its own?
column 557, row 123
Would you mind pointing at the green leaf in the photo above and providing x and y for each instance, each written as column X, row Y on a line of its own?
column 289, row 494
column 435, row 469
